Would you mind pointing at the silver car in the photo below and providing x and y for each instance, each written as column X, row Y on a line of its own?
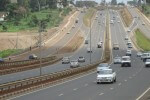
column 139, row 54
column 147, row 63
column 66, row 60
column 81, row 59
column 117, row 60
column 74, row 64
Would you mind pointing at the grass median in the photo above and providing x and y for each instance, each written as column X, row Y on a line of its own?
column 8, row 52
column 88, row 16
column 142, row 41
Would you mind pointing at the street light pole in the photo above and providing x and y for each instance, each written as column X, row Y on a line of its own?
column 40, row 40
column 90, row 41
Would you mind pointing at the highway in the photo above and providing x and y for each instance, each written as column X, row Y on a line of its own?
column 139, row 19
column 131, row 81
column 96, row 55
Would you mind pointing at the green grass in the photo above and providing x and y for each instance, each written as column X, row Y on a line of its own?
column 66, row 11
column 88, row 16
column 8, row 52
column 54, row 21
column 142, row 41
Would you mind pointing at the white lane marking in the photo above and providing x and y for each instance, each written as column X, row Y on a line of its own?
column 86, row 85
column 119, row 84
column 130, row 77
column 94, row 81
column 101, row 93
column 111, row 88
column 125, row 80
column 60, row 95
column 133, row 75
column 75, row 89
column 52, row 86
column 143, row 94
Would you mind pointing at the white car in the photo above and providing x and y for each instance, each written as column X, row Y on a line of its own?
column 66, row 60
column 81, row 59
column 117, row 60
column 33, row 56
column 143, row 23
column 106, row 75
column 147, row 63
column 126, row 38
column 116, row 46
column 89, row 50
column 99, row 44
column 129, row 30
column 118, row 21
column 128, row 53
column 74, row 64
column 139, row 54
column 126, row 61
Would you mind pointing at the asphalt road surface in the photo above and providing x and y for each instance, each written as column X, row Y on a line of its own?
column 131, row 81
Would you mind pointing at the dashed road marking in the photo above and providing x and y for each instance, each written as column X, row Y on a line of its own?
column 75, row 89
column 125, row 80
column 119, row 84
column 60, row 95
column 101, row 93
column 86, row 85
column 133, row 75
column 130, row 77
column 111, row 88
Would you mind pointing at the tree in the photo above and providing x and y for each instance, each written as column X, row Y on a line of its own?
column 64, row 3
column 34, row 21
column 51, row 3
column 114, row 2
column 3, row 4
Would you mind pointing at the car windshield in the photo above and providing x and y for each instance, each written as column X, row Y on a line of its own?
column 105, row 72
column 117, row 58
column 103, row 65
column 125, row 58
column 148, row 60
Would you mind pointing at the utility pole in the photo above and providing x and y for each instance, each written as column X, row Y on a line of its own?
column 90, row 40
column 40, row 43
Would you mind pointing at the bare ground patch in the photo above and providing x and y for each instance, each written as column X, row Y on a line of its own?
column 127, row 17
column 73, row 44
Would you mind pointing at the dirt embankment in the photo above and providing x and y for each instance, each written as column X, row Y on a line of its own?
column 126, row 16
column 73, row 44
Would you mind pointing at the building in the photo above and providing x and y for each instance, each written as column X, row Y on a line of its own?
column 2, row 16
column 13, row 1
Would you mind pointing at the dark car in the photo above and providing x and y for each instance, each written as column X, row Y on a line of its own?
column 32, row 56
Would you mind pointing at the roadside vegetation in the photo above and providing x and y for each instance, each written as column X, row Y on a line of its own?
column 146, row 10
column 88, row 16
column 6, row 53
column 126, row 16
column 142, row 41
column 28, row 14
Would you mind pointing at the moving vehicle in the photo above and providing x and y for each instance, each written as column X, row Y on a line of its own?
column 147, row 63
column 89, row 50
column 145, row 56
column 86, row 41
column 99, row 44
column 74, row 64
column 76, row 21
column 1, row 60
column 129, row 42
column 129, row 30
column 81, row 59
column 117, row 60
column 32, row 56
column 128, row 53
column 139, row 54
column 65, row 60
column 116, row 46
column 130, row 46
column 104, row 65
column 126, row 61
column 126, row 38
column 106, row 75
column 111, row 22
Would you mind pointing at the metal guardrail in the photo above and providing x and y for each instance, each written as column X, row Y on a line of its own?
column 14, row 64
column 29, row 67
column 27, row 83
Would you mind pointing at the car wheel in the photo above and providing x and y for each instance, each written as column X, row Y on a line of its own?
column 98, row 82
column 115, row 79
